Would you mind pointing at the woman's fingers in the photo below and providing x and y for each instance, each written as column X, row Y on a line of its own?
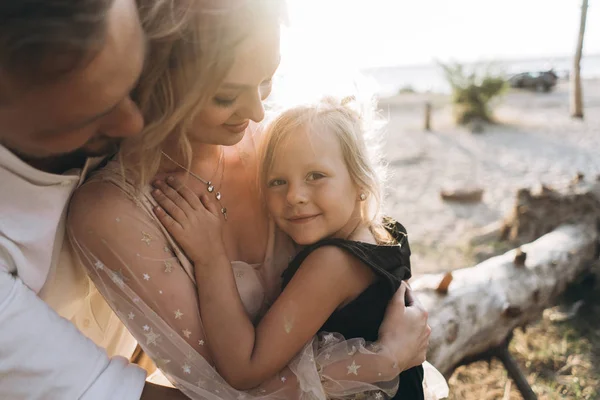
column 400, row 296
column 404, row 328
column 409, row 299
column 417, row 305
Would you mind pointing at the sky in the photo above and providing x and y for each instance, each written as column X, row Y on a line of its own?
column 369, row 33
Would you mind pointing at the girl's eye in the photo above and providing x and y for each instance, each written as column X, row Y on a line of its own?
column 221, row 102
column 276, row 182
column 313, row 176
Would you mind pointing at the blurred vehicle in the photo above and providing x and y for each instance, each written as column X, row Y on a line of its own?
column 539, row 81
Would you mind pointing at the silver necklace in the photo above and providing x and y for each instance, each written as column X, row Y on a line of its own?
column 210, row 188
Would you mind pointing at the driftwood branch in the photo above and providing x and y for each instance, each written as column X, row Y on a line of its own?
column 476, row 310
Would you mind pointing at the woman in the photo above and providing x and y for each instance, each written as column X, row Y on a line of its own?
column 203, row 86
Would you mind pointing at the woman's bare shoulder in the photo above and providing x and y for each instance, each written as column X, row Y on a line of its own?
column 97, row 202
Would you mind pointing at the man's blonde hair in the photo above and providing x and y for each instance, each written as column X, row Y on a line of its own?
column 192, row 45
column 355, row 131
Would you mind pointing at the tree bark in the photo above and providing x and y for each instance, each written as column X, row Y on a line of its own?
column 541, row 210
column 478, row 308
column 576, row 89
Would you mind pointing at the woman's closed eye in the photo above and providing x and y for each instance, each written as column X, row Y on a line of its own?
column 227, row 101
column 224, row 101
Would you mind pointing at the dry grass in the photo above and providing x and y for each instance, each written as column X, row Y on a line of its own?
column 560, row 359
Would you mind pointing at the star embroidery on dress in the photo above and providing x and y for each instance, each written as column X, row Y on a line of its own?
column 201, row 342
column 168, row 266
column 146, row 277
column 375, row 347
column 131, row 315
column 353, row 368
column 283, row 379
column 186, row 333
column 378, row 396
column 327, row 356
column 329, row 338
column 166, row 249
column 118, row 278
column 241, row 396
column 160, row 292
column 118, row 219
column 146, row 238
column 99, row 265
column 146, row 328
column 201, row 382
column 239, row 274
column 151, row 337
column 178, row 314
column 186, row 369
column 162, row 363
column 136, row 300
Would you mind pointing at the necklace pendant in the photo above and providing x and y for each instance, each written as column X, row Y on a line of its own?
column 218, row 196
column 210, row 187
column 224, row 212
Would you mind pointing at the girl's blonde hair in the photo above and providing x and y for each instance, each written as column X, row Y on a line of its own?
column 192, row 46
column 354, row 127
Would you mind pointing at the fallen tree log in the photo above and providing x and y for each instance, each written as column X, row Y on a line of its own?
column 476, row 309
column 540, row 210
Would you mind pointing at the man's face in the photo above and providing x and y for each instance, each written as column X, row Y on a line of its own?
column 86, row 111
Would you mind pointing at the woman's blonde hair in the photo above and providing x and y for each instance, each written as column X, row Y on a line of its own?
column 192, row 45
column 354, row 125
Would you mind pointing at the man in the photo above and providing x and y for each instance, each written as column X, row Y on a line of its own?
column 66, row 70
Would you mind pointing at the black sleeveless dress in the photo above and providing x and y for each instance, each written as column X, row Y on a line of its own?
column 362, row 317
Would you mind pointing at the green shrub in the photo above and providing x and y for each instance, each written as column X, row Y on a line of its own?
column 472, row 93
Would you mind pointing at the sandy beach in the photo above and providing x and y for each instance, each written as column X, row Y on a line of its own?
column 534, row 141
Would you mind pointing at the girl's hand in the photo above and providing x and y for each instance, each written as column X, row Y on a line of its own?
column 195, row 223
column 404, row 330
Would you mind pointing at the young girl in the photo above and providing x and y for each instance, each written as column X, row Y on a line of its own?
column 321, row 188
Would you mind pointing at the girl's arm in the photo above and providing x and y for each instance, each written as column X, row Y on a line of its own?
column 245, row 356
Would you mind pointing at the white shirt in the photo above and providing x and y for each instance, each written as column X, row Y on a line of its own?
column 49, row 310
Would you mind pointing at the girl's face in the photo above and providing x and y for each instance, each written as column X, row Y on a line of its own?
column 309, row 191
column 240, row 97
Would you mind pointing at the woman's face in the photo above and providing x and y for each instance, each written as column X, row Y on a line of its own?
column 240, row 97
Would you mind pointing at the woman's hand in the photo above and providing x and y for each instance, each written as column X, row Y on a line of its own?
column 404, row 330
column 195, row 223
